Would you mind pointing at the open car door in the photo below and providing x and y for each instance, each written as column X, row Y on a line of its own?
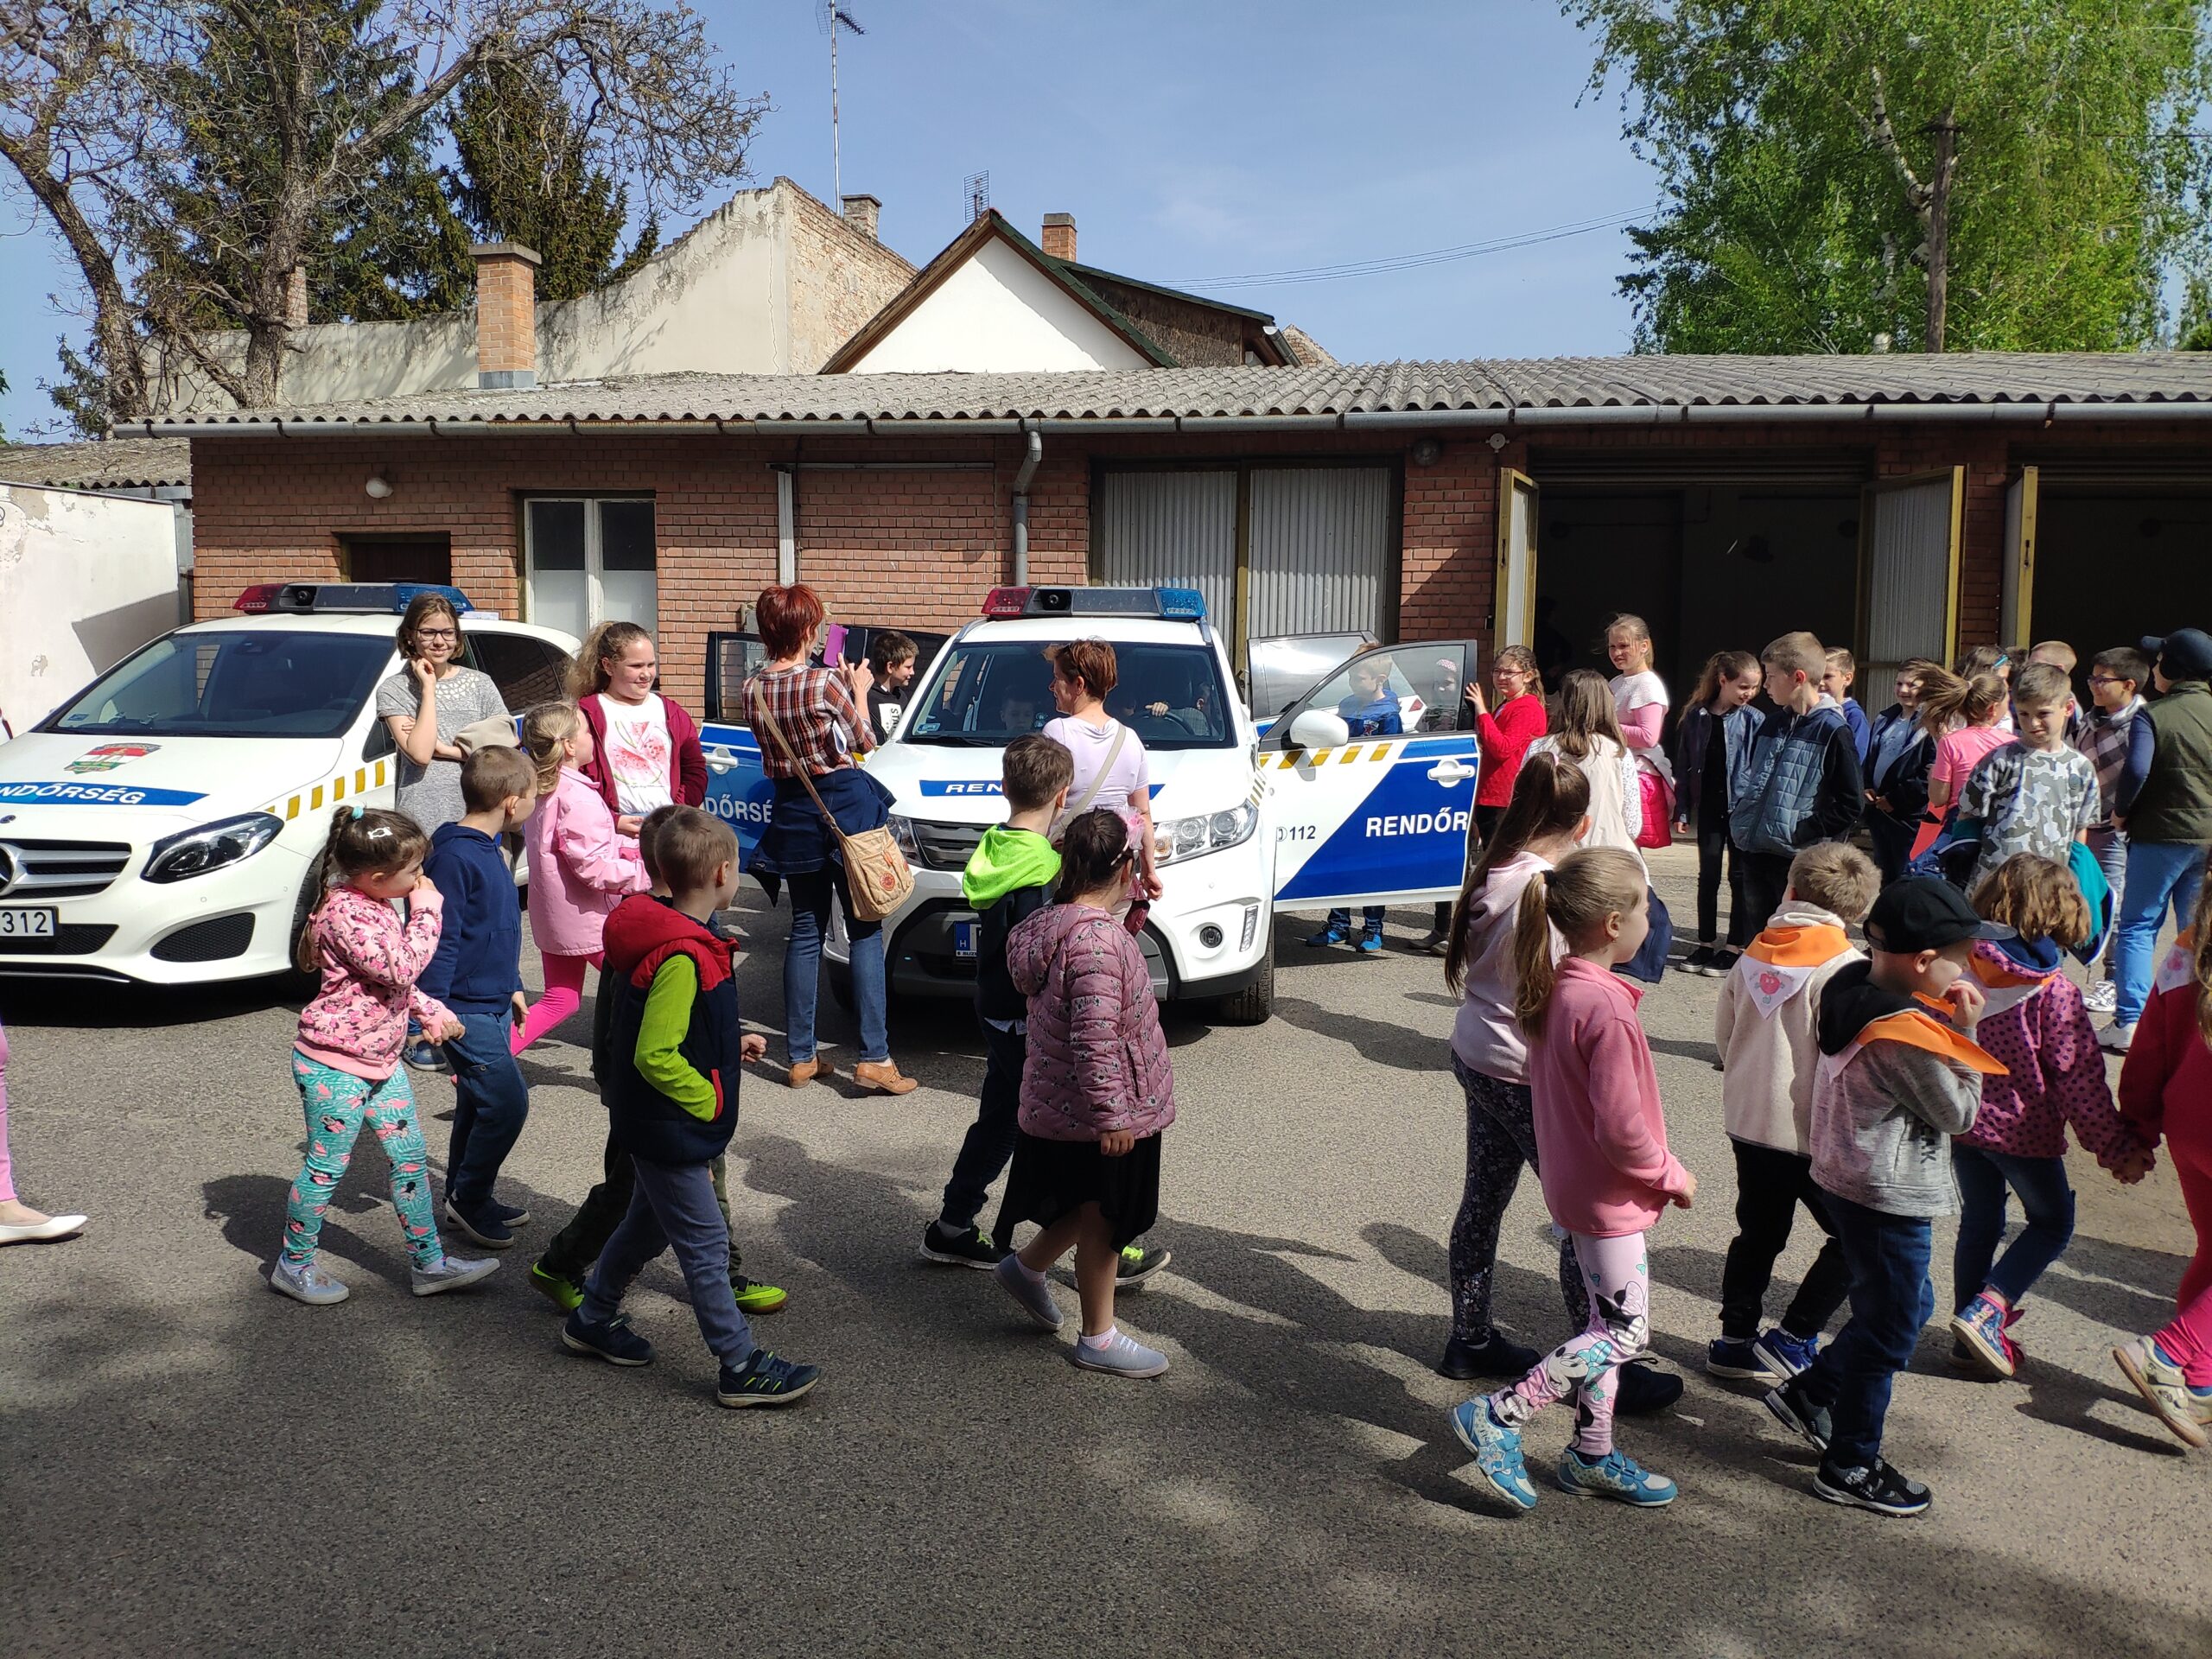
column 1371, row 780
column 738, row 790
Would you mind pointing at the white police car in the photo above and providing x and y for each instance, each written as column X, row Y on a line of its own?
column 161, row 825
column 1300, row 818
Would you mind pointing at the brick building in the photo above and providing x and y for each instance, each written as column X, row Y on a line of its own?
column 1907, row 505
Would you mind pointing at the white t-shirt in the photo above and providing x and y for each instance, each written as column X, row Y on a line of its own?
column 638, row 753
column 1640, row 690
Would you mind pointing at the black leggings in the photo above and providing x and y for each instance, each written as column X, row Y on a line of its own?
column 1501, row 1137
column 1714, row 845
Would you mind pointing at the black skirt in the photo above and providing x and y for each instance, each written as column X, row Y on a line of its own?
column 1053, row 1178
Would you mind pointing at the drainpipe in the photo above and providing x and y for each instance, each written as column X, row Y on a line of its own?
column 1034, row 453
column 787, row 527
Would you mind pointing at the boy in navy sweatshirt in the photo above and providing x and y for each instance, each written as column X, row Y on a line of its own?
column 671, row 1104
column 478, row 974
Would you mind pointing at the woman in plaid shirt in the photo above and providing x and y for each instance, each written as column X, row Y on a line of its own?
column 809, row 720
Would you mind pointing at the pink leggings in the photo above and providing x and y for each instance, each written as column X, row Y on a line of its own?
column 2189, row 1338
column 1587, row 1365
column 7, row 1169
column 564, row 995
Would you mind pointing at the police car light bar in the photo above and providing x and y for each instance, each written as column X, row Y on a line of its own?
column 1170, row 604
column 351, row 597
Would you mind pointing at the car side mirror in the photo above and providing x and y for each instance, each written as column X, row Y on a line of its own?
column 1318, row 728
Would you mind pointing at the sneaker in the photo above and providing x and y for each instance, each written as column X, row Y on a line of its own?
column 1494, row 1355
column 1435, row 942
column 1873, row 1487
column 1496, row 1450
column 1370, row 941
column 1979, row 1329
column 1699, row 961
column 960, row 1247
column 1809, row 1422
column 1330, row 935
column 1639, row 1389
column 1724, row 963
column 451, row 1273
column 1122, row 1355
column 1785, row 1354
column 1616, row 1475
column 754, row 1297
column 1035, row 1295
column 2102, row 997
column 508, row 1213
column 2116, row 1037
column 1137, row 1265
column 310, row 1284
column 426, row 1056
column 2160, row 1381
column 564, row 1293
column 479, row 1227
column 1737, row 1358
column 613, row 1342
column 765, row 1380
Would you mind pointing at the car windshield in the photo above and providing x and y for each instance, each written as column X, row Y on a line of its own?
column 255, row 683
column 985, row 693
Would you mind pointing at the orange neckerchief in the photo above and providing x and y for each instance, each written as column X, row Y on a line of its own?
column 1937, row 1037
column 1798, row 947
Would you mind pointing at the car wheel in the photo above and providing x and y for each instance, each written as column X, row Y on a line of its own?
column 1253, row 1004
column 294, row 982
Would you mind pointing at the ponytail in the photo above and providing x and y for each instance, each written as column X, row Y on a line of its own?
column 363, row 841
column 1962, row 702
column 1095, row 846
column 546, row 731
column 1589, row 884
column 1550, row 798
column 1533, row 972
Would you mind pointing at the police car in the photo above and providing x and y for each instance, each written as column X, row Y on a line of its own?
column 161, row 825
column 1304, row 817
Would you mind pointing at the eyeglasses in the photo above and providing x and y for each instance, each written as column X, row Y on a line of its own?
column 2106, row 679
column 437, row 633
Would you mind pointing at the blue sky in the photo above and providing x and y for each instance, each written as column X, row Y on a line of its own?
column 1191, row 142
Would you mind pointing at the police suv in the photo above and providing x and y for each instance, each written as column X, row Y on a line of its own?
column 1304, row 816
column 161, row 825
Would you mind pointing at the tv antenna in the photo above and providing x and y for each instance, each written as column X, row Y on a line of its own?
column 832, row 16
column 976, row 195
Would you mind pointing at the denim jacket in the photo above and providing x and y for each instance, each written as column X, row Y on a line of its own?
column 1691, row 741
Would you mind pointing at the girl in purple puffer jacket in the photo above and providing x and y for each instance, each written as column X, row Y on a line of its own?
column 1095, row 1093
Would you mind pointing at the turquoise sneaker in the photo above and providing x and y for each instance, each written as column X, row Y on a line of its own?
column 1496, row 1450
column 1616, row 1475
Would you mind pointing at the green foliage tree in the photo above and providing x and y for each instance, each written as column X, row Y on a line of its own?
column 1839, row 175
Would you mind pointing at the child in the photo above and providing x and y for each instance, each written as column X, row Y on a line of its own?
column 477, row 972
column 559, row 1274
column 1842, row 669
column 1966, row 713
column 19, row 1223
column 1640, row 707
column 1802, row 783
column 1370, row 710
column 1585, row 730
column 671, row 1104
column 579, row 869
column 645, row 750
column 2035, row 794
column 1894, row 1084
column 347, row 1059
column 1764, row 1033
column 1899, row 751
column 1110, row 769
column 892, row 655
column 1603, row 1159
column 1712, row 746
column 2116, row 680
column 2165, row 1090
column 2035, row 1024
column 1097, row 1091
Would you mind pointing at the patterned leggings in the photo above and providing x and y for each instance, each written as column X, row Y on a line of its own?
column 1501, row 1138
column 336, row 1103
column 1587, row 1366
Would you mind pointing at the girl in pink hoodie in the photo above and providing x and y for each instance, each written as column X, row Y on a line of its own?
column 1601, row 1144
column 580, row 867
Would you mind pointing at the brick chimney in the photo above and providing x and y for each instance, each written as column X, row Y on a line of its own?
column 295, row 297
column 506, row 316
column 862, row 213
column 1059, row 236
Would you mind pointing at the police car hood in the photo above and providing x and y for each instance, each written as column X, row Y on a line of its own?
column 117, row 788
column 949, row 785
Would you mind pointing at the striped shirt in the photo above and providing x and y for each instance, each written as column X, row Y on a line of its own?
column 813, row 708
column 2103, row 738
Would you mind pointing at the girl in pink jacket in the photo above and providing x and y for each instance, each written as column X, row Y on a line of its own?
column 1095, row 1093
column 346, row 1059
column 1601, row 1147
column 580, row 867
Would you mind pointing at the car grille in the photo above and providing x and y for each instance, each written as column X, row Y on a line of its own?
column 63, row 869
column 947, row 846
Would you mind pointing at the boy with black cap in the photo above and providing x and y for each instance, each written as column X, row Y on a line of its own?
column 1894, row 1083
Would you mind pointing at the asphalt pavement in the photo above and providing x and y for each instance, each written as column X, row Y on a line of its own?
column 191, row 1465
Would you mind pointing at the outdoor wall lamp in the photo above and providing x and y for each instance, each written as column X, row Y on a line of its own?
column 378, row 486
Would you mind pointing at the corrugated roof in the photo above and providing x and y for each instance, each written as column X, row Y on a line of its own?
column 1329, row 389
column 117, row 464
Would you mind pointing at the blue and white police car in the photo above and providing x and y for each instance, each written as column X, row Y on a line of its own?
column 1305, row 817
column 161, row 826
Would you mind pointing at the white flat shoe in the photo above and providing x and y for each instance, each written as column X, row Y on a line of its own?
column 43, row 1232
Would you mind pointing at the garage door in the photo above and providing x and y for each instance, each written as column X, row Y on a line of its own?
column 1171, row 529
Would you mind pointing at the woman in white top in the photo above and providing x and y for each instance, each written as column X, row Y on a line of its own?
column 1640, row 706
column 1586, row 731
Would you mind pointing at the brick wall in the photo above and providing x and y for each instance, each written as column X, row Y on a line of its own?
column 506, row 311
column 1190, row 333
column 1448, row 558
column 838, row 279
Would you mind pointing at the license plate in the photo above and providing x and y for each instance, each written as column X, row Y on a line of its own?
column 26, row 924
column 964, row 939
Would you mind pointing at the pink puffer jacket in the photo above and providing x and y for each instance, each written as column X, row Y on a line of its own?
column 1097, row 1060
column 579, row 869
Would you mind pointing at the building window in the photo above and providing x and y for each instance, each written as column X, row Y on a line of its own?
column 591, row 561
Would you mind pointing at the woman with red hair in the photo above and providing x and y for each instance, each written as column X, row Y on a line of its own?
column 810, row 728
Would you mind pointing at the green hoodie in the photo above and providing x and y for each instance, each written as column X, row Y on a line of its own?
column 1007, row 860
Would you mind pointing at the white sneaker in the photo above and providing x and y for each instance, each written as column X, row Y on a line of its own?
column 2115, row 1039
column 310, row 1284
column 2102, row 997
column 451, row 1273
column 2162, row 1385
column 1122, row 1357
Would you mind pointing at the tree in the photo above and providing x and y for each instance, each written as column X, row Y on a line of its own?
column 1842, row 175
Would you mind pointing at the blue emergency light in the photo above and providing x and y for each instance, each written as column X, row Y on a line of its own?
column 1170, row 604
column 348, row 597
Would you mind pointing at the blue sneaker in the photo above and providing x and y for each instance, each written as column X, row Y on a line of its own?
column 508, row 1215
column 1785, row 1354
column 613, row 1342
column 765, row 1380
column 1370, row 940
column 1739, row 1361
column 480, row 1225
column 1497, row 1451
column 1980, row 1328
column 1616, row 1475
column 1330, row 935
column 426, row 1056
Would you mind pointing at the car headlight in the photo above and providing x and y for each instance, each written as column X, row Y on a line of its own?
column 1175, row 839
column 212, row 846
column 902, row 832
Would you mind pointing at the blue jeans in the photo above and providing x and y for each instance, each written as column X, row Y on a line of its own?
column 2047, row 1201
column 2161, row 876
column 811, row 901
column 1890, row 1299
column 491, row 1100
column 1371, row 915
column 673, row 1207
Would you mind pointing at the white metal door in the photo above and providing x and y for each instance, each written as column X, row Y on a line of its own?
column 1516, row 590
column 2018, row 605
column 1175, row 530
column 1912, row 570
column 1319, row 551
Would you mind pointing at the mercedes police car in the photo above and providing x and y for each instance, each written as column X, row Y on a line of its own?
column 161, row 825
column 1302, row 817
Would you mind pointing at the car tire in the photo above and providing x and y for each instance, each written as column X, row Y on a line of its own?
column 1256, row 1003
column 292, row 983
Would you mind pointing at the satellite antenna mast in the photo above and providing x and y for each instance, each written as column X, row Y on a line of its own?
column 976, row 195
column 833, row 16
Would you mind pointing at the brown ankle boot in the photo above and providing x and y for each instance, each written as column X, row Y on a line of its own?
column 806, row 1071
column 883, row 1076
